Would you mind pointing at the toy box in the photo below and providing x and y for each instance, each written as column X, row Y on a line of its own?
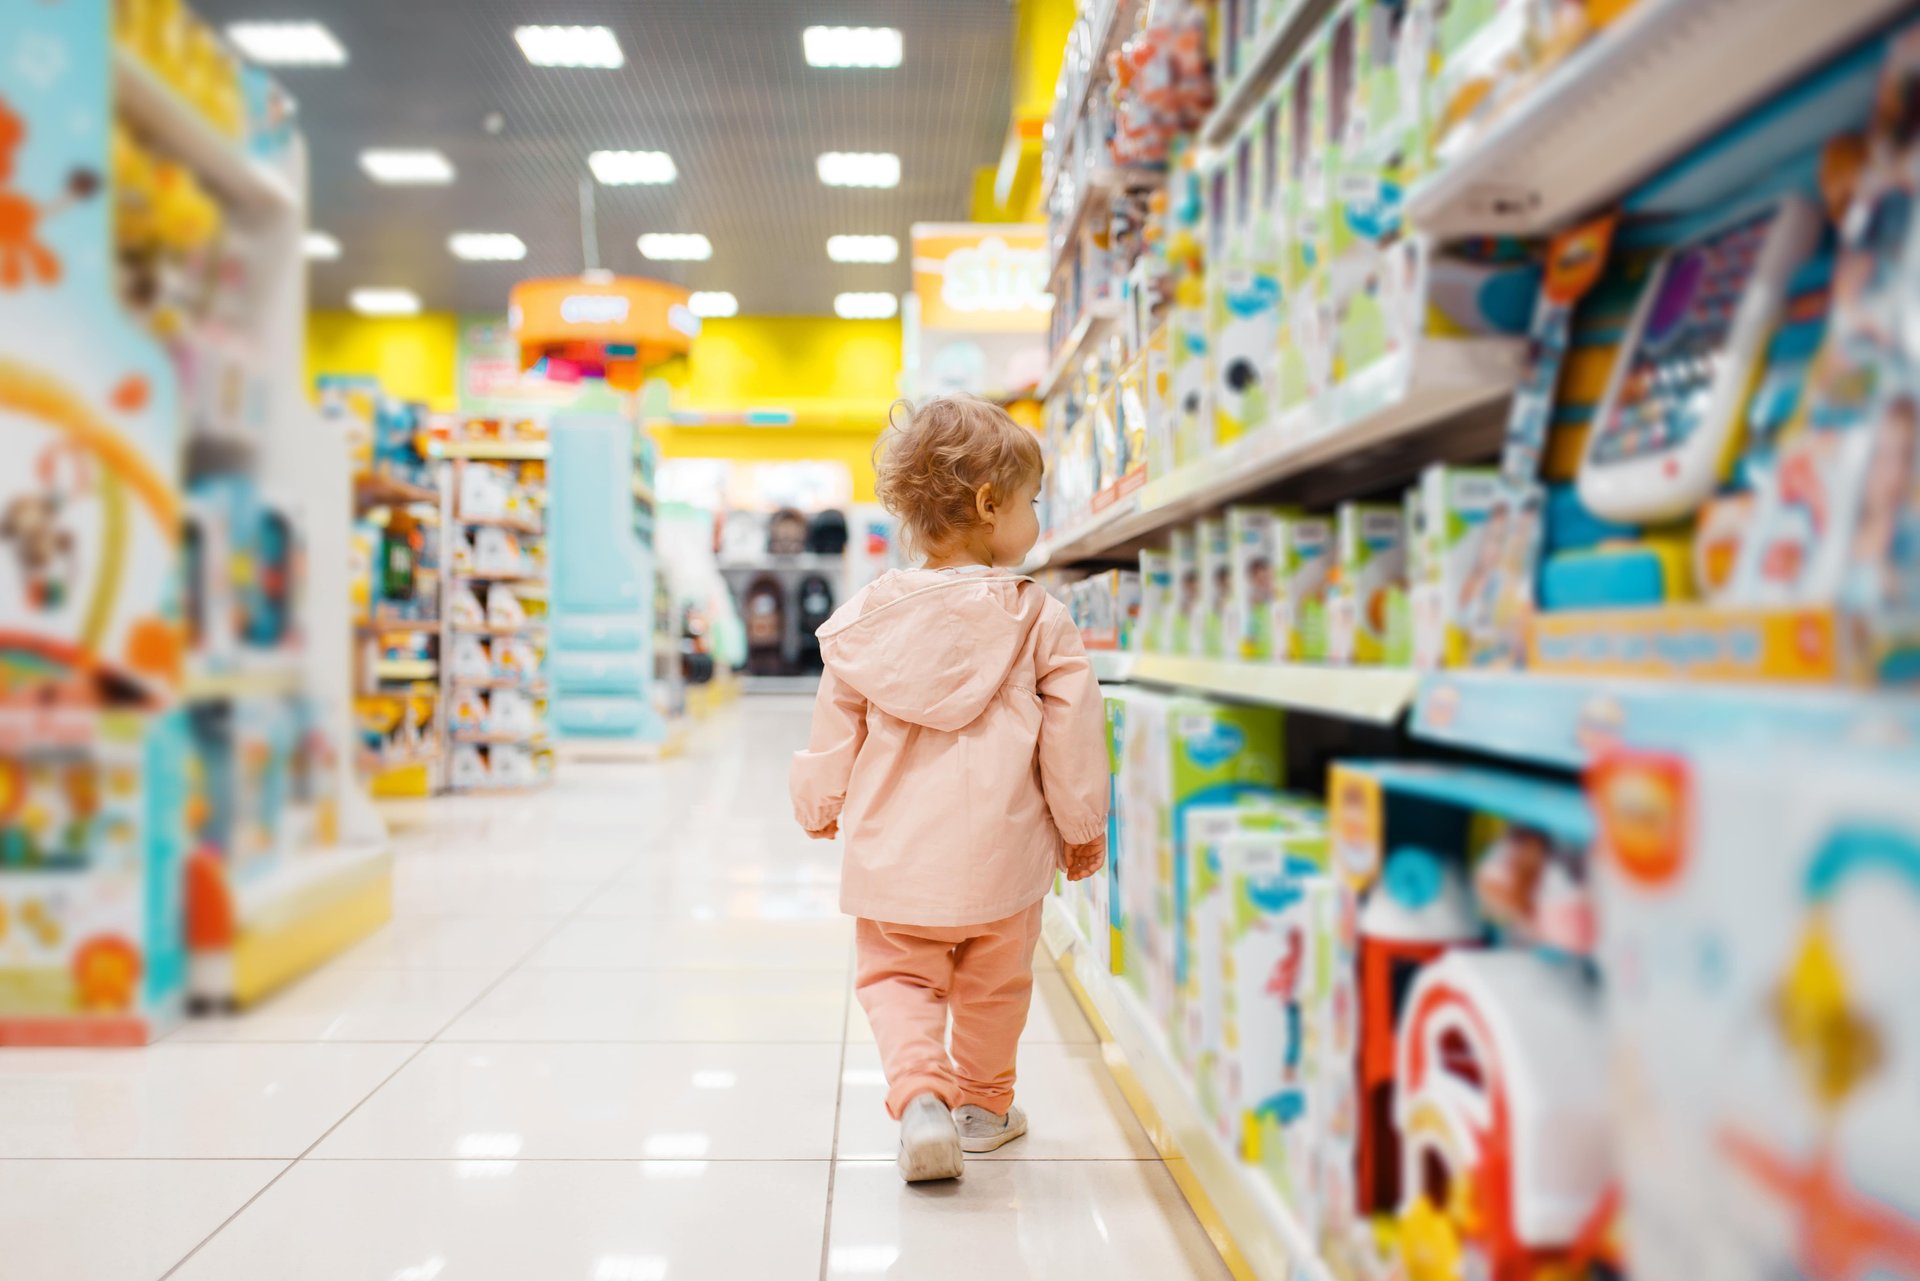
column 1188, row 370
column 1184, row 552
column 1252, row 537
column 1304, row 555
column 1371, row 564
column 1306, row 351
column 1209, row 626
column 1454, row 558
column 1760, row 933
column 1243, row 285
column 1153, row 635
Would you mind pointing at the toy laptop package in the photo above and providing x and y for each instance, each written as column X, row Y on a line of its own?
column 1209, row 627
column 1243, row 286
column 1371, row 541
column 1251, row 537
column 1190, row 391
column 1303, row 560
column 1306, row 352
column 1453, row 559
column 1156, row 603
column 1184, row 555
column 1760, row 934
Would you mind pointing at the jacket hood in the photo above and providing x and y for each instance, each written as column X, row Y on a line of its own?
column 932, row 648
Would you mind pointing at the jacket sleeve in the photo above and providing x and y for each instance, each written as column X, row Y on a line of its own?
column 819, row 776
column 1073, row 735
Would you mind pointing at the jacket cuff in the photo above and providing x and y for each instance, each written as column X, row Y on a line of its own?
column 1084, row 832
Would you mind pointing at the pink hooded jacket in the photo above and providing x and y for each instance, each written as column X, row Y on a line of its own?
column 958, row 737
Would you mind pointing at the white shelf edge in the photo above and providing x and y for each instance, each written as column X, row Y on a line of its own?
column 1094, row 319
column 1112, row 665
column 1662, row 78
column 1260, row 1225
column 490, row 450
column 1269, row 59
column 265, row 901
column 164, row 118
column 1457, row 378
column 1375, row 694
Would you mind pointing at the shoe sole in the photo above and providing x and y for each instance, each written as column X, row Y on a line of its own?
column 1006, row 1136
column 932, row 1159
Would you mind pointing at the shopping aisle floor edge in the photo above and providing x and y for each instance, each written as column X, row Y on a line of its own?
column 610, row 1035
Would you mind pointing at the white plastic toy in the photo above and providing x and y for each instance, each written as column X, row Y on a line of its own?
column 504, row 608
column 1675, row 395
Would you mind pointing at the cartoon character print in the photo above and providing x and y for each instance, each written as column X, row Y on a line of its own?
column 24, row 257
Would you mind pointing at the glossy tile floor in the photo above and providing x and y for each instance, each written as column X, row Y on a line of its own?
column 608, row 1035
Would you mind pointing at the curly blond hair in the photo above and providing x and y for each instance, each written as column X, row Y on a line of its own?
column 931, row 469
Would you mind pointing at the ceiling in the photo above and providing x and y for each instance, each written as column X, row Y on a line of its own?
column 720, row 85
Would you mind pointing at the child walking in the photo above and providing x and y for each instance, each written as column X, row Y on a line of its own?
column 959, row 749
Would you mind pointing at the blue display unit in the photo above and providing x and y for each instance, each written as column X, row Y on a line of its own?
column 600, row 646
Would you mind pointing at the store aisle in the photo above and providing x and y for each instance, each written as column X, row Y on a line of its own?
column 609, row 1035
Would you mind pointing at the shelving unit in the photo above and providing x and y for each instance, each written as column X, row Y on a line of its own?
column 1377, row 694
column 1264, row 65
column 1092, row 325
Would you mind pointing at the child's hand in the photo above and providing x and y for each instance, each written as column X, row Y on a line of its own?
column 827, row 833
column 1084, row 860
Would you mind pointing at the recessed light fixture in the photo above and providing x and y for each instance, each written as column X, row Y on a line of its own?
column 407, row 167
column 852, row 46
column 570, row 46
column 866, row 306
column 859, row 169
column 288, row 44
column 676, row 246
column 320, row 247
column 384, row 302
column 710, row 303
column 632, row 168
column 487, row 246
column 863, row 248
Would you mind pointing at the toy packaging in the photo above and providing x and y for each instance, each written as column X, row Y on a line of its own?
column 1216, row 587
column 1306, row 350
column 1453, row 559
column 1304, row 555
column 1371, row 565
column 1153, row 636
column 1760, row 930
column 1183, row 551
column 1251, row 536
column 1243, row 282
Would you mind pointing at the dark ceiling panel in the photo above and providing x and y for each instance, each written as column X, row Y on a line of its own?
column 720, row 85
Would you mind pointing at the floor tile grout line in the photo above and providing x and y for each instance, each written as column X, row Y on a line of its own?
column 401, row 1067
column 839, row 1103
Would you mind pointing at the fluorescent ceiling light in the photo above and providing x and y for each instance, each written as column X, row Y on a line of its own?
column 859, row 169
column 708, row 303
column 628, row 168
column 384, row 302
column 319, row 246
column 852, row 46
column 676, row 246
column 865, row 306
column 288, row 44
column 407, row 167
column 862, row 248
column 487, row 246
column 570, row 46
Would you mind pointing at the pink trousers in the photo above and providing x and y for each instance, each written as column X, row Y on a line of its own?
column 911, row 976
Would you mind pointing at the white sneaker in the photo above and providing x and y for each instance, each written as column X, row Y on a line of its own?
column 929, row 1145
column 983, row 1131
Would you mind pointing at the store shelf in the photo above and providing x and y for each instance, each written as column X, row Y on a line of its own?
column 405, row 669
column 176, row 126
column 1230, row 1199
column 1664, row 76
column 1121, row 19
column 815, row 562
column 1265, row 63
column 508, row 451
column 518, row 577
column 1564, row 722
column 517, row 524
column 487, row 629
column 1448, row 382
column 1093, row 324
column 308, row 909
column 1112, row 666
column 398, row 626
column 375, row 763
column 536, row 688
column 1376, row 694
column 1094, row 190
column 487, row 738
column 805, row 683
column 373, row 490
column 274, row 678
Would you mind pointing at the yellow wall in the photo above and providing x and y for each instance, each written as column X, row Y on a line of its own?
column 836, row 376
column 414, row 357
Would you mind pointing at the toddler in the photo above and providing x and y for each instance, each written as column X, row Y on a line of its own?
column 959, row 747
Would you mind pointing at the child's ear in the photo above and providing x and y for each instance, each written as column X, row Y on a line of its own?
column 983, row 502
